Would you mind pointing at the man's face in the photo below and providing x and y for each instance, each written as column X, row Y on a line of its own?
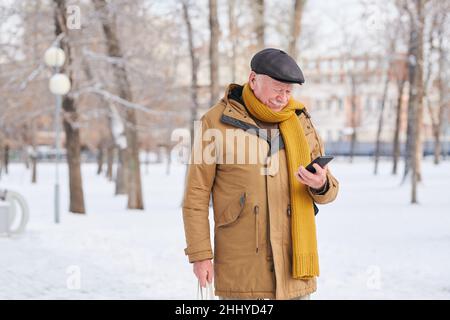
column 272, row 93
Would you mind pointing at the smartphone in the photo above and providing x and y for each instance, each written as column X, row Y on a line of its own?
column 321, row 161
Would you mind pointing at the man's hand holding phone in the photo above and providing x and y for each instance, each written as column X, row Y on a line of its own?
column 315, row 180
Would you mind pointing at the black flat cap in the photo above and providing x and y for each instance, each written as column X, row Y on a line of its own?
column 278, row 65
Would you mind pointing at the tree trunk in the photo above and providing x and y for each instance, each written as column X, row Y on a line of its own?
column 100, row 158
column 296, row 27
column 169, row 159
column 1, row 156
column 34, row 168
column 435, row 129
column 396, row 147
column 6, row 159
column 353, row 117
column 445, row 147
column 147, row 161
column 417, row 99
column 443, row 102
column 214, row 51
column 110, row 161
column 71, row 115
column 233, row 36
column 194, row 70
column 410, row 115
column 122, row 173
column 380, row 122
column 1, row 166
column 259, row 9
column 74, row 162
column 437, row 145
column 34, row 154
column 135, row 200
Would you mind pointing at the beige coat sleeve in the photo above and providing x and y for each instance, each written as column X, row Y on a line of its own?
column 199, row 181
column 332, row 185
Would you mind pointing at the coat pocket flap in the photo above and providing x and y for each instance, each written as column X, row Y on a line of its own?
column 232, row 211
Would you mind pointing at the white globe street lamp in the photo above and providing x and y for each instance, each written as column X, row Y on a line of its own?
column 54, row 57
column 59, row 85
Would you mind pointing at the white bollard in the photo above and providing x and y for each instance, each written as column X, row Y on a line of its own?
column 4, row 218
column 18, row 211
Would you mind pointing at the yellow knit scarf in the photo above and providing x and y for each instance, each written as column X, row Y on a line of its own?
column 305, row 262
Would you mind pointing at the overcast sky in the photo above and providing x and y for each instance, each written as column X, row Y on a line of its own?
column 322, row 22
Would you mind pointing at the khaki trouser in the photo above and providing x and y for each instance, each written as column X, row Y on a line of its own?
column 305, row 297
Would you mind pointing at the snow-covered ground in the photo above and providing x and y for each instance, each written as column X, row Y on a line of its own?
column 373, row 243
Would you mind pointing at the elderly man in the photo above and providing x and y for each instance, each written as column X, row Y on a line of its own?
column 264, row 211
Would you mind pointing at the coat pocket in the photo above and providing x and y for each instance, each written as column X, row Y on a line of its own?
column 232, row 211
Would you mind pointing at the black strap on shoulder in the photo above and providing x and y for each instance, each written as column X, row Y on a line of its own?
column 299, row 112
column 257, row 131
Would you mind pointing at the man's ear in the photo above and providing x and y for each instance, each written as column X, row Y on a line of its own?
column 252, row 79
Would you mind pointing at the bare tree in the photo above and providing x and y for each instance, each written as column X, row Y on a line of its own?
column 122, row 174
column 354, row 112
column 380, row 121
column 33, row 152
column 296, row 26
column 29, row 140
column 411, row 78
column 390, row 53
column 70, row 115
column 114, row 50
column 413, row 153
column 436, row 37
column 100, row 156
column 214, row 51
column 349, row 56
column 259, row 23
column 6, row 157
column 417, row 97
column 1, row 154
column 233, row 30
column 443, row 88
column 194, row 67
column 401, row 76
column 109, row 161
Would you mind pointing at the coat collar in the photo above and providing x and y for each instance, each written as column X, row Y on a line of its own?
column 234, row 106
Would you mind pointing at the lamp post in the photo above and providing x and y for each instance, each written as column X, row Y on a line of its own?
column 59, row 85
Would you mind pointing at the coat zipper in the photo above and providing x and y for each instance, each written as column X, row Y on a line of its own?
column 268, row 248
column 256, row 210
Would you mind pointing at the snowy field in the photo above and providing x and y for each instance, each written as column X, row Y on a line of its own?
column 372, row 243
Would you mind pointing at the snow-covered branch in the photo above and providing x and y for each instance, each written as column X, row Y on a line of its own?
column 128, row 104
